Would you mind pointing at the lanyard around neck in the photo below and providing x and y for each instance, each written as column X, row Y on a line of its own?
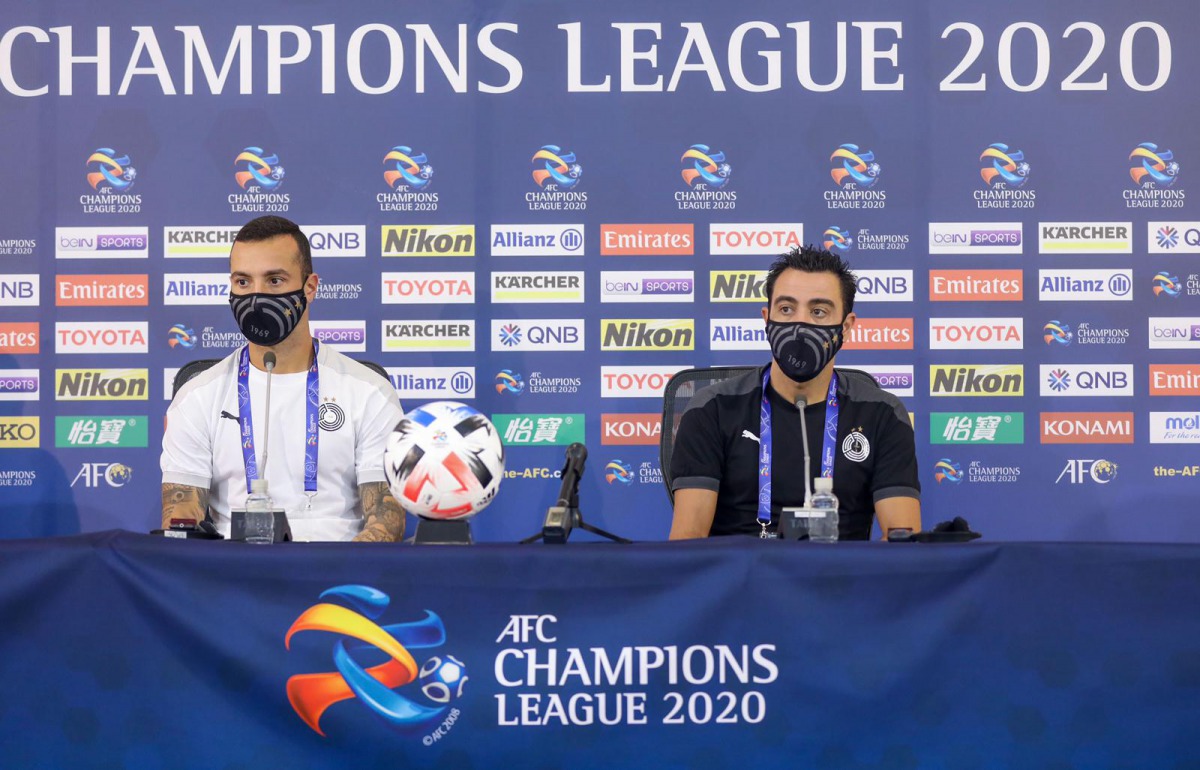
column 312, row 432
column 764, row 444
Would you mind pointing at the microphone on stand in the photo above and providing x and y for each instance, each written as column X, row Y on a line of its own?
column 269, row 365
column 560, row 518
column 801, row 402
column 793, row 522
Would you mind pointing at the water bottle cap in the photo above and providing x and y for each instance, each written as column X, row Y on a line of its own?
column 258, row 486
column 823, row 484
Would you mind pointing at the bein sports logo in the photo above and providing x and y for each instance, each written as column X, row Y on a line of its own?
column 1005, row 168
column 707, row 167
column 404, row 167
column 508, row 381
column 107, row 168
column 1153, row 167
column 558, row 166
column 947, row 470
column 258, row 169
column 1166, row 284
column 854, row 168
column 440, row 680
column 618, row 471
column 837, row 238
column 1057, row 331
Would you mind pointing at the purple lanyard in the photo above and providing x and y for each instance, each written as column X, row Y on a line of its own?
column 764, row 445
column 312, row 432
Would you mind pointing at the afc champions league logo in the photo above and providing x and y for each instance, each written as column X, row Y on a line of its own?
column 705, row 167
column 1003, row 167
column 258, row 170
column 406, row 169
column 854, row 168
column 404, row 695
column 835, row 238
column 109, row 171
column 556, row 168
column 1153, row 167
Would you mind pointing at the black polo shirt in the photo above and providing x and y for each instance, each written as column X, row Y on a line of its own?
column 716, row 448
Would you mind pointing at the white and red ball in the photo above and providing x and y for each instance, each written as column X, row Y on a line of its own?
column 444, row 460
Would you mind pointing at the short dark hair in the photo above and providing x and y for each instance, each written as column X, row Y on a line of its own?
column 265, row 228
column 810, row 259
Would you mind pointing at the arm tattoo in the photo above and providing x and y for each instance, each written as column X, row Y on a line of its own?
column 180, row 501
column 383, row 518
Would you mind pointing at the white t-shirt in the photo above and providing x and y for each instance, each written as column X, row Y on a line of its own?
column 202, row 448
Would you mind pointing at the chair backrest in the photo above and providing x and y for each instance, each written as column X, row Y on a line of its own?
column 188, row 371
column 687, row 383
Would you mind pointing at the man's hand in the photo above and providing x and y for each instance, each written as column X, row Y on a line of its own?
column 383, row 517
column 180, row 501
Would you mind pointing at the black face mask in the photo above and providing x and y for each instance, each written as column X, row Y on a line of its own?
column 268, row 319
column 801, row 349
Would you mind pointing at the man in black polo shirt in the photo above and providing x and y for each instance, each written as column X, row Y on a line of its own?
column 735, row 448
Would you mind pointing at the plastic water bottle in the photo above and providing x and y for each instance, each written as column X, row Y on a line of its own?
column 260, row 514
column 824, row 529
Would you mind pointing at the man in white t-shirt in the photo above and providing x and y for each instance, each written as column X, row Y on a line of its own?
column 330, row 415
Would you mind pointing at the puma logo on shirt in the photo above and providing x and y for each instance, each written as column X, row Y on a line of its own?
column 751, row 436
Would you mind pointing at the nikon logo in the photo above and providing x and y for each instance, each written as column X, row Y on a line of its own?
column 977, row 380
column 653, row 334
column 101, row 384
column 429, row 241
column 738, row 285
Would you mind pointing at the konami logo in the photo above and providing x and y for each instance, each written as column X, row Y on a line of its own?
column 881, row 334
column 754, row 239
column 976, row 286
column 630, row 429
column 101, row 337
column 1087, row 427
column 101, row 290
column 636, row 381
column 642, row 240
column 1175, row 379
column 428, row 288
column 976, row 334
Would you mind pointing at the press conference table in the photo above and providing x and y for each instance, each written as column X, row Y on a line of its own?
column 125, row 650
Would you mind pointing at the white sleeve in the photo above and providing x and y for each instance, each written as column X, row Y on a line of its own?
column 187, row 445
column 381, row 414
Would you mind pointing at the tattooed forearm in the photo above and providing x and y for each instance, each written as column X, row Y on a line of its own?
column 180, row 501
column 383, row 520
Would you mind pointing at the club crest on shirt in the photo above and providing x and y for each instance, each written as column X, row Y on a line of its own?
column 331, row 416
column 855, row 447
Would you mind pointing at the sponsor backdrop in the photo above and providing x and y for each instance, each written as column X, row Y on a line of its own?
column 544, row 211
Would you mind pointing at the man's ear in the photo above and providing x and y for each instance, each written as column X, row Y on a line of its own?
column 310, row 286
column 764, row 314
column 848, row 323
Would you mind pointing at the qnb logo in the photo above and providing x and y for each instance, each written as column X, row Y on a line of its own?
column 946, row 470
column 618, row 471
column 508, row 381
column 1004, row 168
column 837, row 238
column 405, row 167
column 1166, row 284
column 559, row 169
column 408, row 698
column 1153, row 167
column 706, row 168
column 1059, row 380
column 1167, row 237
column 854, row 168
column 258, row 169
column 106, row 167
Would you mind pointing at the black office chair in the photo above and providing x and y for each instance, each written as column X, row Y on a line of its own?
column 190, row 370
column 684, row 385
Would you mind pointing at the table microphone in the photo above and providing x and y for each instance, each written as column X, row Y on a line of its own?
column 269, row 365
column 801, row 402
column 790, row 526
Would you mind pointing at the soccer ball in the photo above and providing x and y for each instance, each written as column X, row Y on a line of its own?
column 442, row 679
column 444, row 460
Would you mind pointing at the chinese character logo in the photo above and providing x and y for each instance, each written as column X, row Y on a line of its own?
column 107, row 168
column 1167, row 237
column 382, row 688
column 963, row 428
column 619, row 471
column 1153, row 167
column 403, row 166
column 706, row 167
column 853, row 167
column 1004, row 168
column 837, row 238
column 558, row 167
column 947, row 470
column 1057, row 331
column 508, row 381
column 181, row 336
column 258, row 169
column 1059, row 380
column 1165, row 283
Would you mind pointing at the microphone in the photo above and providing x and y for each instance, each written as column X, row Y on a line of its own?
column 269, row 365
column 562, row 517
column 801, row 402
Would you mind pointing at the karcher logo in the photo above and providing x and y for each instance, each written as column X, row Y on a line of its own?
column 19, row 433
column 737, row 285
column 977, row 380
column 101, row 384
column 648, row 334
column 429, row 240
